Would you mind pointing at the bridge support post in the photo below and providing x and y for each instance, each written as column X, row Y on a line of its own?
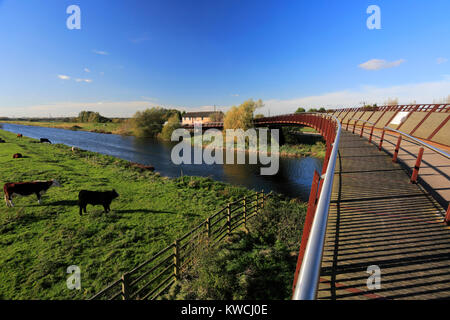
column 362, row 130
column 354, row 126
column 447, row 216
column 381, row 141
column 397, row 148
column 417, row 166
column 371, row 133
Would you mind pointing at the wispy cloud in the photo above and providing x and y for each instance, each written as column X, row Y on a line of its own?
column 441, row 60
column 65, row 108
column 63, row 77
column 87, row 70
column 83, row 80
column 235, row 95
column 140, row 39
column 378, row 64
column 103, row 53
column 424, row 92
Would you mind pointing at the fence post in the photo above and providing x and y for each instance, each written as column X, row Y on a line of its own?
column 229, row 219
column 125, row 287
column 245, row 213
column 208, row 227
column 262, row 199
column 176, row 260
column 257, row 203
column 417, row 166
column 397, row 148
column 362, row 130
column 381, row 141
column 354, row 126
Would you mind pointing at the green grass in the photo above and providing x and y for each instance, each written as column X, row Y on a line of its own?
column 39, row 242
column 110, row 127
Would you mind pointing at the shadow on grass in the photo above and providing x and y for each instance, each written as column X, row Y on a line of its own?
column 143, row 211
column 63, row 203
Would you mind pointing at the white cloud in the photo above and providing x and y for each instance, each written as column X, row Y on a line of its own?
column 67, row 108
column 424, row 92
column 87, row 70
column 83, row 80
column 378, row 64
column 63, row 77
column 441, row 60
column 103, row 53
column 235, row 95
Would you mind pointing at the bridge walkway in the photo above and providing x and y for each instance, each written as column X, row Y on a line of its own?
column 377, row 217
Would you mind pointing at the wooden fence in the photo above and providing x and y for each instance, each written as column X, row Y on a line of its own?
column 153, row 277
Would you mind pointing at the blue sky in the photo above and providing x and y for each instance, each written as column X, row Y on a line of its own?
column 129, row 55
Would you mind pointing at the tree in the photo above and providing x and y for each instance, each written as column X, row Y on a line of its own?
column 241, row 117
column 149, row 123
column 216, row 116
column 300, row 110
column 91, row 116
column 391, row 102
column 172, row 124
column 312, row 110
column 322, row 110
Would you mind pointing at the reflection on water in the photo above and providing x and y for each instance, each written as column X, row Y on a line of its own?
column 293, row 178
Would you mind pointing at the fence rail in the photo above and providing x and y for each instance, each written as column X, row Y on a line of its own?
column 153, row 277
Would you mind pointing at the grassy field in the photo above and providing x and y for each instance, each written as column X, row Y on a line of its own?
column 109, row 127
column 39, row 242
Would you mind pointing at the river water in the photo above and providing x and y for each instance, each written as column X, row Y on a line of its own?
column 293, row 179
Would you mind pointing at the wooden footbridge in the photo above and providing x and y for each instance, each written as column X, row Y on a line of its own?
column 377, row 221
column 377, row 225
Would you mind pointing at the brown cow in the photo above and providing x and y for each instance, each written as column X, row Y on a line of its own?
column 27, row 188
column 17, row 155
column 19, row 135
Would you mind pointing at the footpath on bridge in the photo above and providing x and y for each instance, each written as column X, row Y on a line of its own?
column 378, row 218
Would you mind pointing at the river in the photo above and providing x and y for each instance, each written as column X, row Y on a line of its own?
column 293, row 178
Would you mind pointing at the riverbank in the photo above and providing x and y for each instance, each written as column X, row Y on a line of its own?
column 39, row 242
column 108, row 128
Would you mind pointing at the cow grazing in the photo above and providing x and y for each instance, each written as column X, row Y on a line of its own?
column 103, row 198
column 42, row 140
column 19, row 135
column 27, row 188
column 17, row 155
column 2, row 141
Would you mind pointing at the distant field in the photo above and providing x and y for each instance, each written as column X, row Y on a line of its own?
column 109, row 127
column 39, row 242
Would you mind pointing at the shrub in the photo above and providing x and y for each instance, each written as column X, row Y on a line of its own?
column 259, row 264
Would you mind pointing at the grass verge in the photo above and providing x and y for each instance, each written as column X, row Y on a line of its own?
column 39, row 242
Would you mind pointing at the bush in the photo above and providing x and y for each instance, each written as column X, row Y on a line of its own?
column 241, row 117
column 172, row 124
column 259, row 264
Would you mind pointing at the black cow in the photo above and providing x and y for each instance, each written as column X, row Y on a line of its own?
column 103, row 198
column 17, row 155
column 27, row 188
column 2, row 141
column 45, row 140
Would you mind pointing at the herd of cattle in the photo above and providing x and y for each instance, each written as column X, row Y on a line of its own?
column 38, row 188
